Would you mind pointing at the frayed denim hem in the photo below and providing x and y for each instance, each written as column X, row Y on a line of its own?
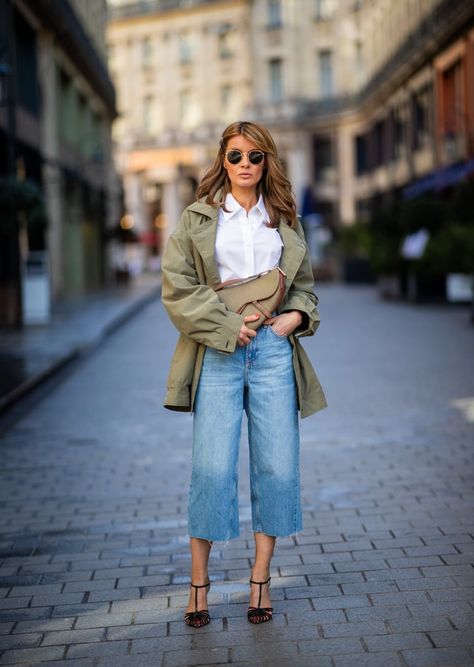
column 226, row 540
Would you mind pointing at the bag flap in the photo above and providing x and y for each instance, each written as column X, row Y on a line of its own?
column 263, row 287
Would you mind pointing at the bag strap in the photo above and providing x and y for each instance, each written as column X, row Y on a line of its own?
column 258, row 306
column 244, row 281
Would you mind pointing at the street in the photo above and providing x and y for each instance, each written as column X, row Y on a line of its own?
column 94, row 562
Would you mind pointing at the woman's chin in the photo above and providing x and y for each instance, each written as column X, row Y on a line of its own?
column 245, row 182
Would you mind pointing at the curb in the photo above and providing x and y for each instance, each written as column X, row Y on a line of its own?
column 80, row 350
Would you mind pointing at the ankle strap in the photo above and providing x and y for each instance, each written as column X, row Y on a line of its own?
column 260, row 583
column 201, row 585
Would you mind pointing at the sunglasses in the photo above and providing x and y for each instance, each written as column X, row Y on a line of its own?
column 235, row 156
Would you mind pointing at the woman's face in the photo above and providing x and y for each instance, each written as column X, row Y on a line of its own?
column 244, row 174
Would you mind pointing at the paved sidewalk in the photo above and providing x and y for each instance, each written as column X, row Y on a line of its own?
column 94, row 562
column 30, row 355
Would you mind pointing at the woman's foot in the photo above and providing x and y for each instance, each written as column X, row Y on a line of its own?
column 260, row 609
column 197, row 613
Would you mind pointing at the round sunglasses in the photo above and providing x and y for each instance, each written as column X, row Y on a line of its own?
column 234, row 156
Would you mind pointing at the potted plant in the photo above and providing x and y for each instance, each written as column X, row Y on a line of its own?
column 384, row 251
column 353, row 244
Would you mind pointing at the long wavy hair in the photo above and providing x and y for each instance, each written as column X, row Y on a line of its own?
column 273, row 186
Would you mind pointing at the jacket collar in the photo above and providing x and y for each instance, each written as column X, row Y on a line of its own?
column 208, row 210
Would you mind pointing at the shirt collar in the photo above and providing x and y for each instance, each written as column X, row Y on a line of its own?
column 233, row 207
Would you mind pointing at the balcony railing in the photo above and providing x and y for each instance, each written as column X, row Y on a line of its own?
column 140, row 7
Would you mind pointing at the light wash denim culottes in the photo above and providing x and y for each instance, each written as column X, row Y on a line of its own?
column 259, row 379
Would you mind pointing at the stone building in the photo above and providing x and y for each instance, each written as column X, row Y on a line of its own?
column 181, row 73
column 366, row 98
column 308, row 68
column 55, row 125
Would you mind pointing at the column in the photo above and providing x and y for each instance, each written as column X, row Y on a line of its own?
column 49, row 150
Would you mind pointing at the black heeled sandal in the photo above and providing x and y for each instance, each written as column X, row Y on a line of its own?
column 201, row 617
column 260, row 614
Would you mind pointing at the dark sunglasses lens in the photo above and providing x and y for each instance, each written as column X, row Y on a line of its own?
column 234, row 157
column 255, row 157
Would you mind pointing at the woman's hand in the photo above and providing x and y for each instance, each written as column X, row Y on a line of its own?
column 285, row 323
column 245, row 333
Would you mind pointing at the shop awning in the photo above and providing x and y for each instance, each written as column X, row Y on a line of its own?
column 439, row 179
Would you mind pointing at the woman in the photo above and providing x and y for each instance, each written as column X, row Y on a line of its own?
column 243, row 223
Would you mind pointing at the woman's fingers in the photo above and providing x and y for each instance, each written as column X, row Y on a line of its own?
column 245, row 333
column 245, row 336
column 251, row 318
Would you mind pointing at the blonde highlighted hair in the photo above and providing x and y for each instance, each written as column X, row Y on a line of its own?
column 273, row 186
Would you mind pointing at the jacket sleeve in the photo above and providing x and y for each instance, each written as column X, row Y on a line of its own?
column 301, row 296
column 194, row 308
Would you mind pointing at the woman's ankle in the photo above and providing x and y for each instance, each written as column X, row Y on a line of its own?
column 260, row 575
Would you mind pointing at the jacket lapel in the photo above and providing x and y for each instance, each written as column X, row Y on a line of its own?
column 294, row 250
column 203, row 234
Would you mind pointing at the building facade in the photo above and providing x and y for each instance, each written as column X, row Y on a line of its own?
column 414, row 119
column 309, row 67
column 366, row 98
column 55, row 122
column 182, row 72
column 372, row 96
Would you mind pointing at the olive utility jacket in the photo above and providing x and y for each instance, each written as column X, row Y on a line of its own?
column 190, row 271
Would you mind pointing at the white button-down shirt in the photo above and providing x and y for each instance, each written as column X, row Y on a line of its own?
column 245, row 245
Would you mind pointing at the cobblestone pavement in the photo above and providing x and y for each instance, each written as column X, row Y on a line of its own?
column 94, row 559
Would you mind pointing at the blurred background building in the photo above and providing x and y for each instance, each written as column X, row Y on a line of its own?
column 57, row 104
column 370, row 101
column 183, row 71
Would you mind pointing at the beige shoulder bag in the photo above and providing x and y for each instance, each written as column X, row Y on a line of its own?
column 260, row 294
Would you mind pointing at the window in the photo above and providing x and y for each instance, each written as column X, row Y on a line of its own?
column 189, row 109
column 325, row 74
column 83, row 126
column 325, row 9
column 323, row 157
column 276, row 86
column 361, row 155
column 185, row 48
column 184, row 105
column 97, row 135
column 274, row 13
column 225, row 45
column 26, row 73
column 398, row 133
column 226, row 96
column 147, row 53
column 147, row 114
column 66, row 100
column 420, row 105
column 378, row 144
column 452, row 90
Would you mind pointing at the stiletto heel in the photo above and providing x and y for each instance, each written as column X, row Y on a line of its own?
column 260, row 614
column 201, row 617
